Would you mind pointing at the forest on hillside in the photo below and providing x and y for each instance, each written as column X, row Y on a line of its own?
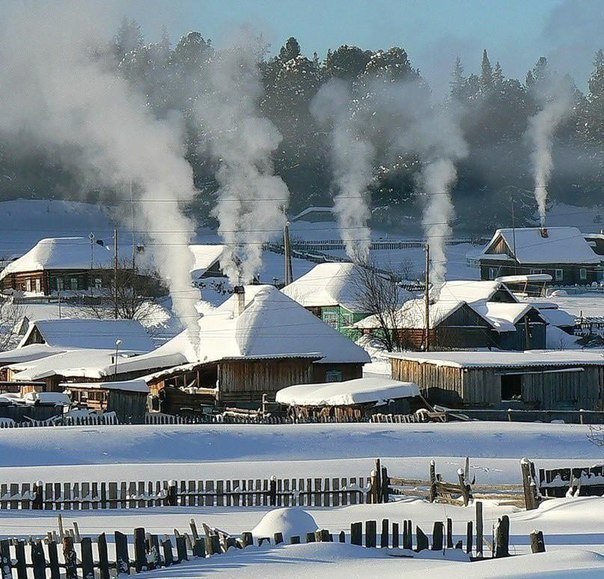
column 493, row 110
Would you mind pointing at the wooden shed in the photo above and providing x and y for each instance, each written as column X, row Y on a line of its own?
column 127, row 399
column 541, row 380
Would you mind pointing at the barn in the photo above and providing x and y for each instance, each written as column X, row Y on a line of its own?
column 538, row 379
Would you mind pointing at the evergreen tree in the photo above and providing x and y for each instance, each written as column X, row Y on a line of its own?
column 457, row 85
column 486, row 74
column 290, row 50
column 128, row 38
column 346, row 62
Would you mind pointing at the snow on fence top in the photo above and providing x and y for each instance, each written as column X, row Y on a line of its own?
column 138, row 385
column 359, row 391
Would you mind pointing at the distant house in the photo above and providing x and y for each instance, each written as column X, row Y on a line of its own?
column 59, row 264
column 331, row 292
column 256, row 343
column 468, row 314
column 541, row 379
column 128, row 399
column 207, row 261
column 561, row 252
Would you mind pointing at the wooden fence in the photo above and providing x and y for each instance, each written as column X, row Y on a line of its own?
column 319, row 492
column 69, row 555
column 582, row 481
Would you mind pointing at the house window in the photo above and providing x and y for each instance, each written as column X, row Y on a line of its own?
column 492, row 272
column 37, row 285
column 60, row 284
column 98, row 283
column 28, row 285
column 331, row 319
column 582, row 273
column 559, row 274
column 347, row 319
column 74, row 283
column 511, row 386
column 536, row 271
column 333, row 376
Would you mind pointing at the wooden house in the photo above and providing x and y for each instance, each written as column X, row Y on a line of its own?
column 128, row 399
column 561, row 252
column 256, row 343
column 543, row 380
column 331, row 292
column 350, row 400
column 59, row 264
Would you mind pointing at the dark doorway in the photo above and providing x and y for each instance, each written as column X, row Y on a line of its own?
column 511, row 386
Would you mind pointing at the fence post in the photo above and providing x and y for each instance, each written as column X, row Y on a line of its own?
column 122, row 560
column 168, row 555
column 465, row 491
column 502, row 537
column 408, row 535
column 21, row 565
column 272, row 493
column 370, row 534
column 69, row 555
column 38, row 562
column 101, row 544
column 537, row 542
column 479, row 529
column 433, row 488
column 528, row 484
column 87, row 558
column 356, row 534
column 37, row 501
column 395, row 535
column 53, row 561
column 140, row 552
column 171, row 499
column 449, row 533
column 181, row 549
column 469, row 537
column 385, row 535
column 421, row 540
column 385, row 490
column 437, row 536
column 5, row 560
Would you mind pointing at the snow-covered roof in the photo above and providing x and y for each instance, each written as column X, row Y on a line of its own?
column 359, row 391
column 473, row 291
column 61, row 253
column 137, row 385
column 327, row 284
column 562, row 245
column 271, row 325
column 557, row 317
column 94, row 364
column 28, row 353
column 92, row 334
column 412, row 315
column 205, row 257
column 514, row 359
column 502, row 316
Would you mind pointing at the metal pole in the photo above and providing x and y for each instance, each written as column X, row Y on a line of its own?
column 115, row 275
column 514, row 236
column 289, row 277
column 132, row 228
column 427, row 299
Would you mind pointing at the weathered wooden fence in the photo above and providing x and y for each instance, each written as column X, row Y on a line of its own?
column 69, row 555
column 582, row 481
column 278, row 492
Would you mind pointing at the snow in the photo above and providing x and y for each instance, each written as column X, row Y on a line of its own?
column 28, row 353
column 503, row 316
column 557, row 317
column 92, row 334
column 53, row 398
column 327, row 284
column 483, row 359
column 558, row 339
column 359, row 391
column 288, row 521
column 471, row 291
column 124, row 385
column 61, row 253
column 562, row 245
column 205, row 256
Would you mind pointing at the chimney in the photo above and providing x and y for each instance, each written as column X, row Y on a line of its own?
column 543, row 232
column 239, row 291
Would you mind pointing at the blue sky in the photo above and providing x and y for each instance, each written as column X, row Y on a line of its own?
column 434, row 32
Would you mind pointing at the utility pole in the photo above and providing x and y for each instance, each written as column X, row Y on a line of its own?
column 287, row 250
column 514, row 236
column 427, row 299
column 115, row 274
column 132, row 228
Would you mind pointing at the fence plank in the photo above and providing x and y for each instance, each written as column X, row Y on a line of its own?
column 5, row 560
column 101, row 545
column 38, row 561
column 69, row 556
column 53, row 561
column 140, row 551
column 21, row 564
column 87, row 558
column 370, row 534
column 122, row 559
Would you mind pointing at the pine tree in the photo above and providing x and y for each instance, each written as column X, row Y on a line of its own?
column 290, row 50
column 497, row 76
column 458, row 81
column 486, row 74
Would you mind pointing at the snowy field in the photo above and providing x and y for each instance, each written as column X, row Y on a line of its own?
column 573, row 530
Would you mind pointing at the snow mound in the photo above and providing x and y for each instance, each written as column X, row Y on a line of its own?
column 289, row 521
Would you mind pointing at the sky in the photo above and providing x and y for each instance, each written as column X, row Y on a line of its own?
column 433, row 32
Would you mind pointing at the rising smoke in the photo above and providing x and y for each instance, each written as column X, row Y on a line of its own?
column 557, row 103
column 352, row 161
column 251, row 199
column 411, row 124
column 58, row 92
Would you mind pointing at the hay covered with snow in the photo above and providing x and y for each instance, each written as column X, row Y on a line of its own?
column 290, row 522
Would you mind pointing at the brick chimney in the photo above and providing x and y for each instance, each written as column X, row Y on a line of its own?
column 543, row 232
column 239, row 291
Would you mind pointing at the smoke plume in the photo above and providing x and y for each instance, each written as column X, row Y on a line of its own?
column 434, row 134
column 541, row 129
column 251, row 200
column 352, row 156
column 58, row 91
